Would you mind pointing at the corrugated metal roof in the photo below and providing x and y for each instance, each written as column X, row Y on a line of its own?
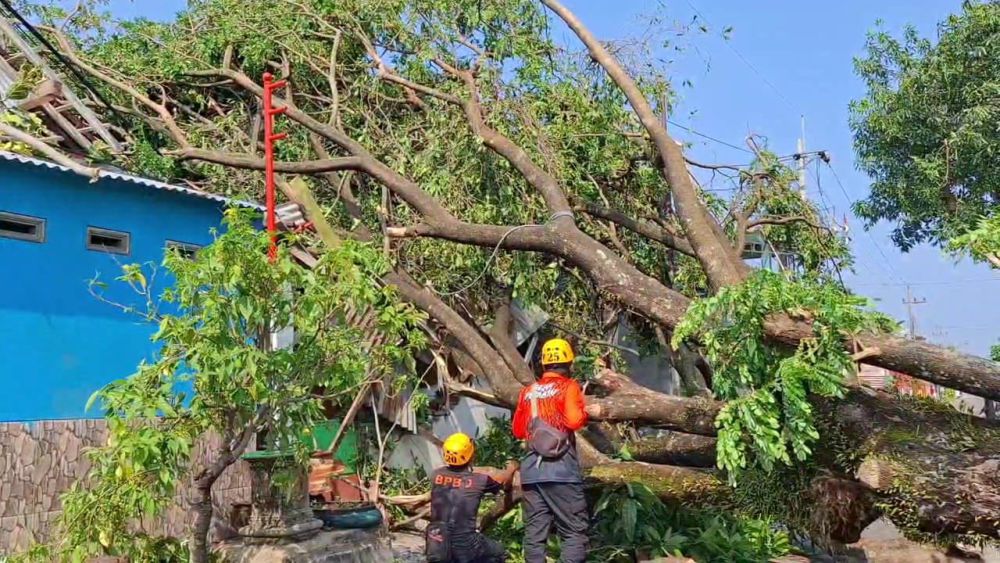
column 874, row 377
column 31, row 161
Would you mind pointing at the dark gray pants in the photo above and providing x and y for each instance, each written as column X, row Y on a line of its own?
column 564, row 505
column 477, row 548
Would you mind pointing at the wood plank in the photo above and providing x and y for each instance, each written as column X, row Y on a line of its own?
column 67, row 126
column 7, row 29
column 45, row 92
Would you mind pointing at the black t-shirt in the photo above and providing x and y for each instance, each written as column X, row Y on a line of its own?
column 455, row 497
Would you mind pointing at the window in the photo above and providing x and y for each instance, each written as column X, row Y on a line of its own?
column 104, row 240
column 185, row 249
column 22, row 227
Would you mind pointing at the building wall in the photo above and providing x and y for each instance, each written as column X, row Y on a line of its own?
column 653, row 371
column 467, row 415
column 58, row 343
column 38, row 462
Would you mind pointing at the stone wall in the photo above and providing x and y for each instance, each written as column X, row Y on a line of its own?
column 40, row 460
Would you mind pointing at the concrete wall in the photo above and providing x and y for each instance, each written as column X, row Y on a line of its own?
column 39, row 461
column 58, row 343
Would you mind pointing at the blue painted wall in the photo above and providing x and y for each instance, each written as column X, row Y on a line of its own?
column 58, row 344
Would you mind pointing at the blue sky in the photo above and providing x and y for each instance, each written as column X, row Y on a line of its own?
column 784, row 60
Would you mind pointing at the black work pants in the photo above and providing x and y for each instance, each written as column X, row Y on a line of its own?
column 477, row 548
column 564, row 505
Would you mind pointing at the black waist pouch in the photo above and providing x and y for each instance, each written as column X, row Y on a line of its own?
column 438, row 543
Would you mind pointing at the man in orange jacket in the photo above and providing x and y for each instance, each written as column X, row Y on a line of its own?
column 548, row 414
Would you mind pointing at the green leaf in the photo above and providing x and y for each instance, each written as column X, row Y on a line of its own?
column 629, row 515
column 92, row 399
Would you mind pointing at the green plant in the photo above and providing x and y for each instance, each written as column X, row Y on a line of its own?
column 768, row 419
column 22, row 121
column 630, row 520
column 216, row 372
column 496, row 445
column 981, row 243
column 509, row 531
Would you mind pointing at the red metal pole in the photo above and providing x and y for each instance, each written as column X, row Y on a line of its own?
column 269, row 139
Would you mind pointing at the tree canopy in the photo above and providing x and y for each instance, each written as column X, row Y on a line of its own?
column 926, row 130
column 493, row 165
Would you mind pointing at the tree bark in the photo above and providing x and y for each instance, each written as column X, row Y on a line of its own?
column 627, row 401
column 203, row 511
column 936, row 470
column 675, row 448
column 945, row 366
column 500, row 334
column 205, row 480
column 694, row 487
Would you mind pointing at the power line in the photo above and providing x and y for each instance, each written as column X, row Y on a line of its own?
column 929, row 282
column 750, row 65
column 887, row 265
column 709, row 137
column 822, row 194
column 55, row 52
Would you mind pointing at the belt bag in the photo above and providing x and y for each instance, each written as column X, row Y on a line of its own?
column 549, row 442
column 437, row 543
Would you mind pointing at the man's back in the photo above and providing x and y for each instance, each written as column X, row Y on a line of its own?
column 456, row 495
column 560, row 404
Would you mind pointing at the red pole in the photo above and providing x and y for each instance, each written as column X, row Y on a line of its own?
column 269, row 139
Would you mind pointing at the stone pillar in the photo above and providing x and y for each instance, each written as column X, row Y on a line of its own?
column 279, row 492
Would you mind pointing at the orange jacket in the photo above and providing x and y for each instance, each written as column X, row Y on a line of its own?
column 560, row 403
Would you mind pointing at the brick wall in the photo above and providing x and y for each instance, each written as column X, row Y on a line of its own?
column 40, row 460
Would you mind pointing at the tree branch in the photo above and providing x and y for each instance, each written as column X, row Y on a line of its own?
column 641, row 227
column 785, row 221
column 500, row 376
column 716, row 255
column 36, row 144
column 500, row 335
column 545, row 183
column 69, row 51
column 251, row 162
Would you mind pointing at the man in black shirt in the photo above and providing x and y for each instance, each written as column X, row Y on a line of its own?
column 456, row 493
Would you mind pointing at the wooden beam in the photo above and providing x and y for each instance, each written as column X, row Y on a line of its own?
column 7, row 29
column 67, row 126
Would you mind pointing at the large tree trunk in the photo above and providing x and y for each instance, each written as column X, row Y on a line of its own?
column 937, row 471
column 675, row 448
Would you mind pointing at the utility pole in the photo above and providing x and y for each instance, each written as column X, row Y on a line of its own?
column 802, row 158
column 910, row 301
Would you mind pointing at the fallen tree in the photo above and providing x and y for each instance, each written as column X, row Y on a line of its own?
column 409, row 129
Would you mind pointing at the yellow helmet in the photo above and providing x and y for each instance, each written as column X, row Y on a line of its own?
column 557, row 351
column 458, row 449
